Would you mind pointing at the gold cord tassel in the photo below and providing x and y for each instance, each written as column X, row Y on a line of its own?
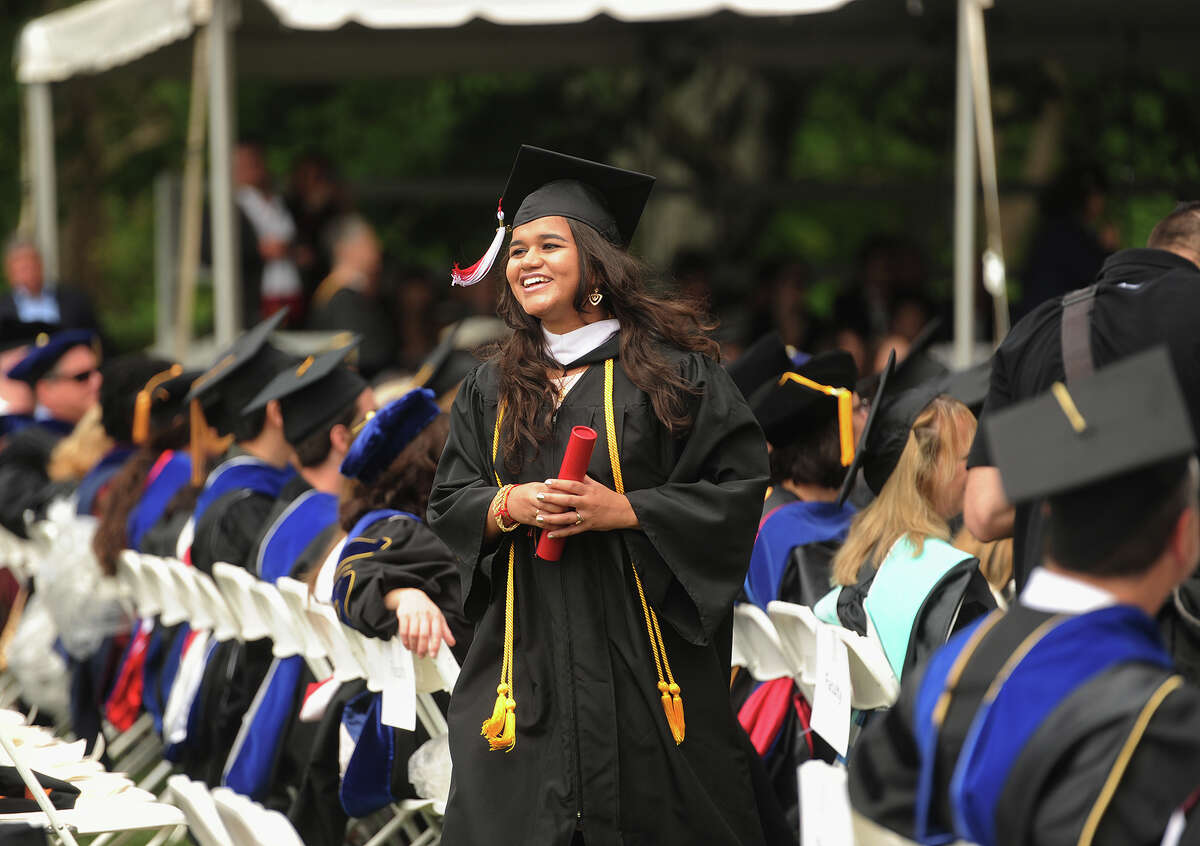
column 143, row 401
column 672, row 701
column 198, row 434
column 500, row 729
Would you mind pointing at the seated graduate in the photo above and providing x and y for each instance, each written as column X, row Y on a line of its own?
column 392, row 578
column 63, row 371
column 807, row 415
column 122, row 378
column 320, row 399
column 1063, row 720
column 228, row 520
column 896, row 574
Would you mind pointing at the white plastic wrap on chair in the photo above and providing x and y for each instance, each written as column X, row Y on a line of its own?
column 796, row 626
column 872, row 681
column 204, row 821
column 236, row 585
column 759, row 644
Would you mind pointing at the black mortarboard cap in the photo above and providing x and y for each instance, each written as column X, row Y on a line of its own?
column 789, row 410
column 17, row 333
column 313, row 393
column 1124, row 418
column 162, row 402
column 872, row 421
column 761, row 362
column 897, row 413
column 124, row 378
column 970, row 386
column 918, row 366
column 239, row 374
column 543, row 183
column 46, row 350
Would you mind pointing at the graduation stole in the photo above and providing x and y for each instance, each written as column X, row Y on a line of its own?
column 500, row 728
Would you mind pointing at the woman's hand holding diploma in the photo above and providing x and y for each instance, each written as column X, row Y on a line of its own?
column 570, row 508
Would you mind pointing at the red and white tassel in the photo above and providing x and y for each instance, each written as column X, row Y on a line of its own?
column 476, row 272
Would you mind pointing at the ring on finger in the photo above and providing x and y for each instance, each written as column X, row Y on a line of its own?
column 578, row 518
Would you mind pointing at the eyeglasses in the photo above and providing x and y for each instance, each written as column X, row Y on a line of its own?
column 74, row 377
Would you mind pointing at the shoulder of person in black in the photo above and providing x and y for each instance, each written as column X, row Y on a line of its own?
column 1145, row 297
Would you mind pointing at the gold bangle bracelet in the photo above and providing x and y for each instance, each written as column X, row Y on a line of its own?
column 502, row 497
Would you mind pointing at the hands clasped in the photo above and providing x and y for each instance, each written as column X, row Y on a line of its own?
column 569, row 508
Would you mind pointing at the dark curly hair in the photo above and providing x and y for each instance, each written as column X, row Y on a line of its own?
column 406, row 483
column 125, row 491
column 647, row 322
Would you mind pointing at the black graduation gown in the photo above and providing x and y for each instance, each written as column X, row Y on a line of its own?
column 593, row 749
column 1057, row 777
column 24, row 484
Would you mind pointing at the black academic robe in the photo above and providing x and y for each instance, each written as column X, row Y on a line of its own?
column 593, row 750
column 1106, row 735
column 24, row 484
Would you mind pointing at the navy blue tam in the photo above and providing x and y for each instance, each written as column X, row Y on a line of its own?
column 387, row 433
column 46, row 350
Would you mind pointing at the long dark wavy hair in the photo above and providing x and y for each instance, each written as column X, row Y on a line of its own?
column 648, row 322
column 405, row 484
column 126, row 489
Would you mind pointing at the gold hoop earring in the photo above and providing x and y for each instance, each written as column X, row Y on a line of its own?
column 595, row 297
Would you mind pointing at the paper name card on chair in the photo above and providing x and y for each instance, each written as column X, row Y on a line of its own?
column 831, row 696
column 399, row 694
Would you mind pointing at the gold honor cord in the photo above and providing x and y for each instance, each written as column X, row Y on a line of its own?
column 500, row 728
column 1067, row 404
column 672, row 702
column 845, row 403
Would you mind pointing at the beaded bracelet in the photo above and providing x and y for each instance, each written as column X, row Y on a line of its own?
column 500, row 506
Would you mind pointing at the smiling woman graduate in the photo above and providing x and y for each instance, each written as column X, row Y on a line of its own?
column 580, row 668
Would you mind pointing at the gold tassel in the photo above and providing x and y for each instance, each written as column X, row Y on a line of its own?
column 199, row 429
column 508, row 738
column 679, row 726
column 141, row 418
column 494, row 725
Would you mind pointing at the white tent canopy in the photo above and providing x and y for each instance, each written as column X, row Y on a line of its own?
column 97, row 35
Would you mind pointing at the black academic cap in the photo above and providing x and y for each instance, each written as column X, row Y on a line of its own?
column 610, row 199
column 17, row 333
column 864, row 439
column 124, row 378
column 238, row 375
column 918, row 366
column 970, row 386
column 789, row 410
column 313, row 393
column 760, row 363
column 162, row 401
column 1128, row 416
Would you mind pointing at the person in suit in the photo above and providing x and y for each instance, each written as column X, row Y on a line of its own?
column 32, row 299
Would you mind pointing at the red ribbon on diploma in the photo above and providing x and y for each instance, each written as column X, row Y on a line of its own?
column 574, row 468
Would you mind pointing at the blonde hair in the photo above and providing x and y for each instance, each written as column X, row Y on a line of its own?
column 908, row 503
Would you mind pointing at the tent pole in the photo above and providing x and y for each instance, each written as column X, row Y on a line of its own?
column 40, row 116
column 221, row 132
column 192, row 198
column 964, row 199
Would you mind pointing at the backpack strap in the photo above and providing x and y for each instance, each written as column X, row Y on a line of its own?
column 1077, row 333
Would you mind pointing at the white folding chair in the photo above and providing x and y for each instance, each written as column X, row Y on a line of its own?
column 346, row 655
column 199, row 615
column 296, row 598
column 174, row 605
column 204, row 821
column 250, row 824
column 237, row 586
column 227, row 622
column 758, row 644
column 873, row 684
column 796, row 626
column 287, row 634
column 145, row 594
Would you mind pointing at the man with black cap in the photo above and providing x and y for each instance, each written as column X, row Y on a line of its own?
column 240, row 492
column 1142, row 297
column 320, row 401
column 63, row 371
column 1063, row 720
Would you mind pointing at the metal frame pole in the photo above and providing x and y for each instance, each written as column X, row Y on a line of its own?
column 964, row 199
column 40, row 115
column 221, row 131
